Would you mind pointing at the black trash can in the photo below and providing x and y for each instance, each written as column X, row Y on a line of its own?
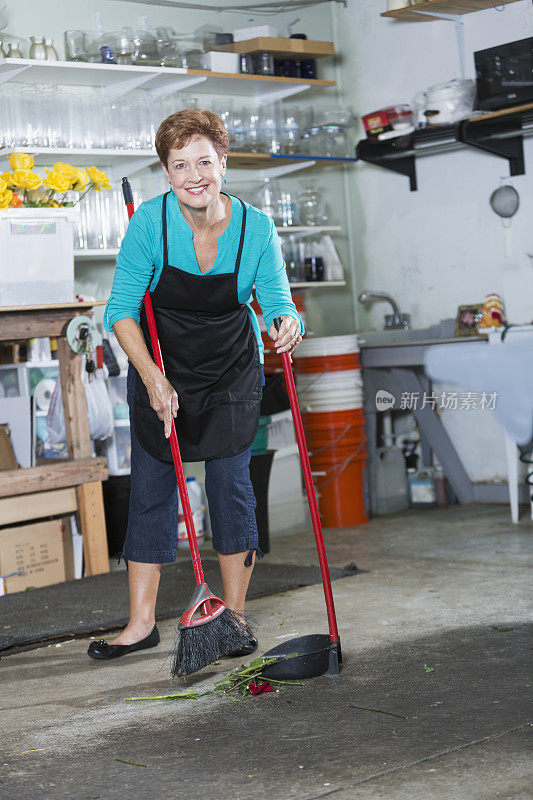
column 260, row 466
column 116, row 491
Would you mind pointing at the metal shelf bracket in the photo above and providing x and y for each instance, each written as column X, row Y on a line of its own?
column 511, row 148
column 457, row 19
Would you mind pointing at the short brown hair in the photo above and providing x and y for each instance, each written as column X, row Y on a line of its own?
column 177, row 130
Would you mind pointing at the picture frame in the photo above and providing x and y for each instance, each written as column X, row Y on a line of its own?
column 468, row 319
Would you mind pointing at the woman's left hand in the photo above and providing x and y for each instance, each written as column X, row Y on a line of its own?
column 288, row 337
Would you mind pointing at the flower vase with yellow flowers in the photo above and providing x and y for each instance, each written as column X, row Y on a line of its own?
column 23, row 188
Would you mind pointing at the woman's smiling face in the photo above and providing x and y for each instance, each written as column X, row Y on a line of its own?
column 195, row 172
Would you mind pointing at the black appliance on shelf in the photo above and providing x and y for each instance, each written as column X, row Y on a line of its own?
column 504, row 75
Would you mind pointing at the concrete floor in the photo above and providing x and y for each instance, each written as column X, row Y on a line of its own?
column 439, row 587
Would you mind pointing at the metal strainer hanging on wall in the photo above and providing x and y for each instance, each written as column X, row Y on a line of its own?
column 505, row 202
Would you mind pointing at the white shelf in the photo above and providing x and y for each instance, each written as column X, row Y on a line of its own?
column 115, row 79
column 96, row 255
column 315, row 284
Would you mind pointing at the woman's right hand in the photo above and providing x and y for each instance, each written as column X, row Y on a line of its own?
column 163, row 399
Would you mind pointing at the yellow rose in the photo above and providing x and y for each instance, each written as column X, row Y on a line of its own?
column 8, row 177
column 3, row 184
column 99, row 178
column 57, row 181
column 5, row 198
column 20, row 161
column 80, row 180
column 25, row 179
column 64, row 169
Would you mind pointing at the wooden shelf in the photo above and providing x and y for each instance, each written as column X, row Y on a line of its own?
column 442, row 7
column 133, row 160
column 281, row 47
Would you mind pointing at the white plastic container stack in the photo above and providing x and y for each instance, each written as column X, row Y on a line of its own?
column 37, row 263
column 328, row 374
column 198, row 514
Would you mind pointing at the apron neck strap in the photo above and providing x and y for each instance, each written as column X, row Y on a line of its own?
column 241, row 240
column 165, row 245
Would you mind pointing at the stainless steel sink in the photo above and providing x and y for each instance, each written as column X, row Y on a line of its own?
column 440, row 332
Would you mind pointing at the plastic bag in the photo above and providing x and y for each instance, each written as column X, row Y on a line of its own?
column 99, row 408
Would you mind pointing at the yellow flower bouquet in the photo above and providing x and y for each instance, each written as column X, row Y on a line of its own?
column 24, row 188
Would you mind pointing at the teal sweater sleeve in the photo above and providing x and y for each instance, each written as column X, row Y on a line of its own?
column 271, row 282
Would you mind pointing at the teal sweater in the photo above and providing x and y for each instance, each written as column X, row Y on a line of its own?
column 140, row 261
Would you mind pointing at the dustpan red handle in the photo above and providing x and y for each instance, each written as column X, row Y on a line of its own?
column 174, row 446
column 310, row 489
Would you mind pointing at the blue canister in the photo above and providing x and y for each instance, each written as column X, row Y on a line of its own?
column 106, row 56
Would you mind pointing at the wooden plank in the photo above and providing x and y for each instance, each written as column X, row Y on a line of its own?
column 35, row 506
column 281, row 47
column 92, row 519
column 74, row 401
column 443, row 7
column 24, row 324
column 15, row 482
column 85, row 304
column 502, row 112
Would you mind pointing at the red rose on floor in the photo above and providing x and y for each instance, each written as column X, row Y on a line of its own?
column 260, row 688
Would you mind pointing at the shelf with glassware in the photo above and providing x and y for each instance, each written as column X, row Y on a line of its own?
column 115, row 79
column 110, row 253
column 500, row 133
column 134, row 160
column 422, row 12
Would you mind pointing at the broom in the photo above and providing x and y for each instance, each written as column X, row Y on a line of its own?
column 208, row 629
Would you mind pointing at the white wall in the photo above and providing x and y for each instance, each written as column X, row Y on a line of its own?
column 441, row 246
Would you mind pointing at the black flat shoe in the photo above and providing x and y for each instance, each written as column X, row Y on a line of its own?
column 245, row 650
column 102, row 649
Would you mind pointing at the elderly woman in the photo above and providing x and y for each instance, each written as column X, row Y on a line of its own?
column 200, row 251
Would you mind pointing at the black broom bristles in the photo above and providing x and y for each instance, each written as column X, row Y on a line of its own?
column 200, row 645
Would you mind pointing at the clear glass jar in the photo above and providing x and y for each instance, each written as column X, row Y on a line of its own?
column 263, row 64
column 334, row 141
column 13, row 50
column 266, row 198
column 291, row 141
column 312, row 205
column 37, row 48
column 270, row 127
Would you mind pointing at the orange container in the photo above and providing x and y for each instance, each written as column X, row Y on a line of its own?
column 343, row 500
column 337, row 444
column 319, row 364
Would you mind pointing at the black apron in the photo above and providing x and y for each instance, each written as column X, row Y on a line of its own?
column 211, row 359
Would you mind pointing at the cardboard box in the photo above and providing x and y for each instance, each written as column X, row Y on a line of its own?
column 42, row 549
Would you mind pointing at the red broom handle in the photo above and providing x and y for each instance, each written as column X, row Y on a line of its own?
column 310, row 489
column 174, row 446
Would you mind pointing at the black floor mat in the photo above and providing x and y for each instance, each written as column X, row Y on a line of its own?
column 101, row 603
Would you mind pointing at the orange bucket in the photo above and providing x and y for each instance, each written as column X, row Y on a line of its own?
column 311, row 364
column 343, row 501
column 337, row 444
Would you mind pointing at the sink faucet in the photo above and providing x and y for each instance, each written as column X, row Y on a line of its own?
column 392, row 321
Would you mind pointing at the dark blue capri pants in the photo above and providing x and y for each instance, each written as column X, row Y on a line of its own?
column 151, row 536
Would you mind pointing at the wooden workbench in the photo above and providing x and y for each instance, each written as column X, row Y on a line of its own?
column 65, row 486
